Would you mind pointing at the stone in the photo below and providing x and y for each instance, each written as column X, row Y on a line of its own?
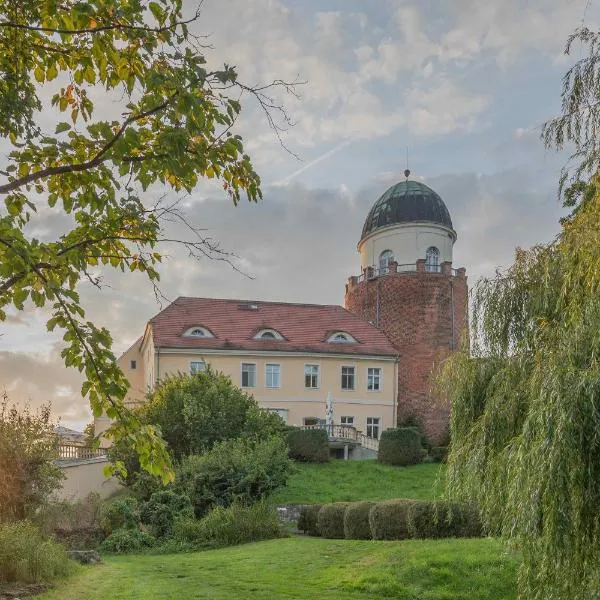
column 85, row 557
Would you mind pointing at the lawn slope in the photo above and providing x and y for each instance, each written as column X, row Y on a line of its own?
column 339, row 480
column 309, row 568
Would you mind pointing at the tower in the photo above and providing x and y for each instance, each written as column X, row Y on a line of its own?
column 409, row 289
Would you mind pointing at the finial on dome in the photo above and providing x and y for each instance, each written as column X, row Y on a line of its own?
column 406, row 173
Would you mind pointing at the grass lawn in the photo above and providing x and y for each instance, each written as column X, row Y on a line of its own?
column 340, row 480
column 300, row 567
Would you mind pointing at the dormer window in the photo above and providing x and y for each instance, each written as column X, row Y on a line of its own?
column 268, row 334
column 198, row 332
column 341, row 337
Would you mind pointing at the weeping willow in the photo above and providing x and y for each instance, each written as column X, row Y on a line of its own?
column 525, row 423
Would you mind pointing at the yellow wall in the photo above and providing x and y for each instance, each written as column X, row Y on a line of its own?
column 84, row 477
column 292, row 396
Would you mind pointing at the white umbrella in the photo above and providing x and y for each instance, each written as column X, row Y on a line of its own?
column 329, row 412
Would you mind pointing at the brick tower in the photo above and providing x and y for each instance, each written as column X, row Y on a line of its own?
column 408, row 288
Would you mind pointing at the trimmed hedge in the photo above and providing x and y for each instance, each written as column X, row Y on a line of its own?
column 307, row 520
column 356, row 521
column 330, row 520
column 401, row 446
column 308, row 445
column 442, row 519
column 389, row 520
column 439, row 453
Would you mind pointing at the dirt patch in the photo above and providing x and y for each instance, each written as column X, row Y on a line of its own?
column 16, row 591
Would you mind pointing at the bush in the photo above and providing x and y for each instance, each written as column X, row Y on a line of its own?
column 330, row 520
column 308, row 519
column 243, row 471
column 439, row 453
column 120, row 514
column 123, row 541
column 356, row 521
column 25, row 555
column 400, row 446
column 230, row 526
column 442, row 520
column 389, row 520
column 161, row 511
column 308, row 445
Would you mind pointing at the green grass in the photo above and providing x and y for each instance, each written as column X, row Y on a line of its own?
column 300, row 567
column 338, row 481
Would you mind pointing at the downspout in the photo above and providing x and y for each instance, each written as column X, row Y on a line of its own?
column 395, row 408
column 452, row 308
column 157, row 364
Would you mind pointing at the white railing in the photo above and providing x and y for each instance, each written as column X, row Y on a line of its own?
column 74, row 452
column 347, row 432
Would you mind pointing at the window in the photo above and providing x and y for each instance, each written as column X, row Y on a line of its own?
column 197, row 366
column 347, row 421
column 348, row 378
column 268, row 334
column 432, row 260
column 282, row 412
column 374, row 379
column 248, row 375
column 198, row 331
column 373, row 427
column 341, row 337
column 273, row 376
column 311, row 376
column 384, row 260
column 133, row 364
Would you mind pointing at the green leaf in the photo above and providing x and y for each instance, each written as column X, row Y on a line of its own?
column 62, row 127
column 39, row 74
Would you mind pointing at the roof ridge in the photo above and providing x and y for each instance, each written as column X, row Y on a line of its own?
column 250, row 301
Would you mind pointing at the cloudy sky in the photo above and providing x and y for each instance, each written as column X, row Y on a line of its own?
column 465, row 85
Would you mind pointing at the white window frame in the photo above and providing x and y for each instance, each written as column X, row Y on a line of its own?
column 275, row 335
column 432, row 260
column 347, row 338
column 194, row 370
column 347, row 420
column 318, row 367
column 242, row 365
column 384, row 268
column 378, row 425
column 133, row 364
column 273, row 387
column 355, row 373
column 205, row 332
column 380, row 380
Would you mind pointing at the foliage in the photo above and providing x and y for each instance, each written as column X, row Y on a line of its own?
column 330, row 520
column 123, row 541
column 27, row 447
column 308, row 519
column 353, row 480
column 525, row 442
column 123, row 513
column 99, row 102
column 439, row 453
column 442, row 519
column 236, row 524
column 300, row 567
column 25, row 555
column 356, row 521
column 401, row 447
column 161, row 511
column 242, row 470
column 308, row 445
column 389, row 520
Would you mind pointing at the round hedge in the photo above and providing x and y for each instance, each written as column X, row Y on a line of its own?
column 307, row 519
column 442, row 519
column 330, row 520
column 400, row 447
column 308, row 445
column 356, row 521
column 389, row 520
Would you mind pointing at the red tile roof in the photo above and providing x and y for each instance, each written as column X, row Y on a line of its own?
column 305, row 327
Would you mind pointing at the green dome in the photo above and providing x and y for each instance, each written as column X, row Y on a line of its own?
column 407, row 202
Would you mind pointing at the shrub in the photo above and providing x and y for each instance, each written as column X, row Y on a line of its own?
column 25, row 555
column 236, row 524
column 120, row 514
column 308, row 445
column 389, row 520
column 442, row 519
column 243, row 470
column 161, row 511
column 308, row 519
column 439, row 453
column 123, row 541
column 330, row 520
column 400, row 446
column 356, row 521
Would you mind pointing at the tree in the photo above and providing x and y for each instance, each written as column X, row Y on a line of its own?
column 175, row 126
column 27, row 448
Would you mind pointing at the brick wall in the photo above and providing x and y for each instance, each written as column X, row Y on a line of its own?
column 414, row 309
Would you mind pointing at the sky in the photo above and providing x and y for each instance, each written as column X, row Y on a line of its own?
column 465, row 86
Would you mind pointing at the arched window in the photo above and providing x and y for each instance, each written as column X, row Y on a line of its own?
column 432, row 260
column 384, row 260
column 199, row 332
column 268, row 334
column 341, row 337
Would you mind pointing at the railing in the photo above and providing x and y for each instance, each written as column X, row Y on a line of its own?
column 377, row 271
column 347, row 432
column 74, row 452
